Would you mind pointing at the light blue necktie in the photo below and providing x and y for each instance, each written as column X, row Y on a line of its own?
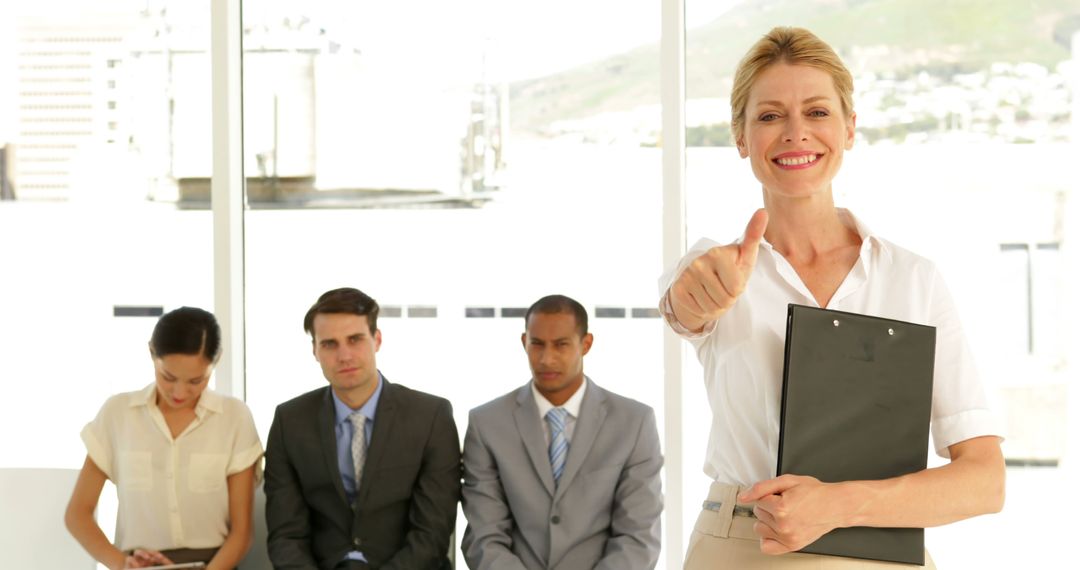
column 556, row 419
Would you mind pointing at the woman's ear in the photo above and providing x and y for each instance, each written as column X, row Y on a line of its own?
column 850, row 142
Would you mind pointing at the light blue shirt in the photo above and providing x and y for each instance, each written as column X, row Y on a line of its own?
column 343, row 432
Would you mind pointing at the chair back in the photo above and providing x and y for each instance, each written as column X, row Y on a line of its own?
column 32, row 531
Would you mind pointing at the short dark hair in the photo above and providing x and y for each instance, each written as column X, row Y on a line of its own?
column 187, row 330
column 554, row 304
column 343, row 300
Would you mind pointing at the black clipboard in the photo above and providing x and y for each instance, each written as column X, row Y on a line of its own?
column 856, row 406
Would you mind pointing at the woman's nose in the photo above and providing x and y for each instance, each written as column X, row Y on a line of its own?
column 795, row 129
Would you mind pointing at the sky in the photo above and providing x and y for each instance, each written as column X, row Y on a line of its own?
column 520, row 39
column 425, row 42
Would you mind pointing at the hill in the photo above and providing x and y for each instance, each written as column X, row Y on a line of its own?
column 944, row 37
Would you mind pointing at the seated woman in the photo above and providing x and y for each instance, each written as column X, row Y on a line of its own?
column 183, row 458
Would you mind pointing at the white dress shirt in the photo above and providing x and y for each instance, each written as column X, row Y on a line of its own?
column 172, row 492
column 743, row 351
column 572, row 406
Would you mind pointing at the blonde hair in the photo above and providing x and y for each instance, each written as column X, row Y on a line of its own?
column 794, row 46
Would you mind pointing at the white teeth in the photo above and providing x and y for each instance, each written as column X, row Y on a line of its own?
column 795, row 161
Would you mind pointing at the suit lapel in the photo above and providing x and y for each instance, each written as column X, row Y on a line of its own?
column 527, row 418
column 586, row 427
column 383, row 426
column 328, row 439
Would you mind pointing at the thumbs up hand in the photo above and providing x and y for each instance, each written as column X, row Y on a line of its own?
column 709, row 286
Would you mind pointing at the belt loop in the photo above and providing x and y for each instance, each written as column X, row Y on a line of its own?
column 717, row 510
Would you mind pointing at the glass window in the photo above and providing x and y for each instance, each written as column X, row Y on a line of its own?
column 456, row 161
column 95, row 243
column 1016, row 319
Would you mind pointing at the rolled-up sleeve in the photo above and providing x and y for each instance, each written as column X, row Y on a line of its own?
column 95, row 436
column 247, row 448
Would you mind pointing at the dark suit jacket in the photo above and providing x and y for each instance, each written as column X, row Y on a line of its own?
column 406, row 505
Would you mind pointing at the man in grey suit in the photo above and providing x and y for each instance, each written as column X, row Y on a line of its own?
column 361, row 473
column 561, row 474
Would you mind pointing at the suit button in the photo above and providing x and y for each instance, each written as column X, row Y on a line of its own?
column 357, row 542
column 555, row 519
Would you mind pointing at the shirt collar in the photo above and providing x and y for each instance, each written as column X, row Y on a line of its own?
column 573, row 405
column 209, row 400
column 871, row 243
column 342, row 411
column 870, row 240
column 144, row 397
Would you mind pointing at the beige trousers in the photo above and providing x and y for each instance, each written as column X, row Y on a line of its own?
column 724, row 538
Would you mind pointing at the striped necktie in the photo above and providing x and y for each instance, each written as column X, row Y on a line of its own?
column 556, row 419
column 359, row 445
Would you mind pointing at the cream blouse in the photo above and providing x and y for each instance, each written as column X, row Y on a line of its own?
column 172, row 492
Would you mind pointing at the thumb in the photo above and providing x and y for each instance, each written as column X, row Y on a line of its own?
column 755, row 231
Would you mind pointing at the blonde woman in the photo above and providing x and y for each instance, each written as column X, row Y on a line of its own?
column 793, row 118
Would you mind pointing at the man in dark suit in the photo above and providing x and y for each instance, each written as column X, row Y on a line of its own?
column 561, row 474
column 363, row 473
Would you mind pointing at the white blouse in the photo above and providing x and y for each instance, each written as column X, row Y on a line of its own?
column 743, row 352
column 172, row 492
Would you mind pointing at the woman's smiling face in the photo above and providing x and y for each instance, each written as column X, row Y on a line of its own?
column 796, row 130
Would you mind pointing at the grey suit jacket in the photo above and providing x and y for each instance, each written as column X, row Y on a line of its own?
column 605, row 512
